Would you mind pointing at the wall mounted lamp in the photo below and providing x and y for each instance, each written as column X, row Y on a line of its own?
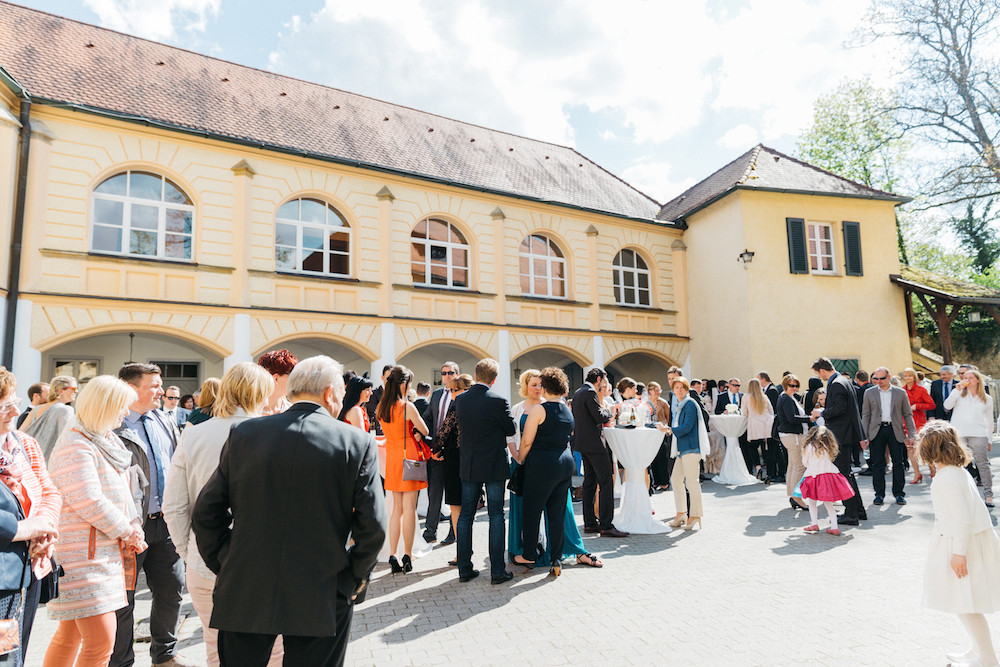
column 746, row 257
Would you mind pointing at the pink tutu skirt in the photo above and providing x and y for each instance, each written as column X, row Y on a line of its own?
column 830, row 486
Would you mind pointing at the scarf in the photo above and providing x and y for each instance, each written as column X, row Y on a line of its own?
column 109, row 446
column 12, row 466
column 704, row 446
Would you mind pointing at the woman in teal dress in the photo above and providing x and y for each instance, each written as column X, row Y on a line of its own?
column 531, row 391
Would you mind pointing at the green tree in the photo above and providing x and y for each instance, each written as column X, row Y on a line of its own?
column 978, row 237
column 855, row 134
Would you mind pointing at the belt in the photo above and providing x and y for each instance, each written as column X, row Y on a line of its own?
column 154, row 515
column 886, row 424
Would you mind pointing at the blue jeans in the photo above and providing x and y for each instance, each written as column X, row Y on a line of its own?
column 494, row 507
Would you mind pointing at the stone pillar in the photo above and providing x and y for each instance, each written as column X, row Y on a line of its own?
column 36, row 208
column 499, row 264
column 243, row 175
column 387, row 352
column 27, row 366
column 241, row 342
column 502, row 385
column 595, row 295
column 679, row 255
column 598, row 356
column 385, row 199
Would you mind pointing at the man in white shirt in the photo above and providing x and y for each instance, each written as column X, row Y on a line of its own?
column 433, row 416
column 172, row 408
column 884, row 413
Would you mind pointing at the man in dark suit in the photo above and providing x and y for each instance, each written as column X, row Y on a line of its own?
column 861, row 385
column 843, row 419
column 484, row 424
column 275, row 519
column 773, row 443
column 887, row 420
column 372, row 405
column 731, row 395
column 423, row 395
column 151, row 437
column 433, row 415
column 589, row 416
column 941, row 389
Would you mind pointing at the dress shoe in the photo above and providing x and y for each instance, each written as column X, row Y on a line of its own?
column 844, row 521
column 866, row 472
column 429, row 537
column 503, row 578
column 613, row 532
column 878, row 500
column 468, row 577
column 448, row 540
column 900, row 500
column 591, row 529
column 180, row 661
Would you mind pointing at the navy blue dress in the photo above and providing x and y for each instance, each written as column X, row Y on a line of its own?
column 548, row 470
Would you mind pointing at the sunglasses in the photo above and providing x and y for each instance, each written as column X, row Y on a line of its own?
column 172, row 398
column 884, row 377
column 734, row 384
column 794, row 386
column 448, row 373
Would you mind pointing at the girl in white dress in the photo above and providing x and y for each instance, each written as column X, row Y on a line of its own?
column 963, row 562
column 822, row 481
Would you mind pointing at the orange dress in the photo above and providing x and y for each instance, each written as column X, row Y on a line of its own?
column 395, row 435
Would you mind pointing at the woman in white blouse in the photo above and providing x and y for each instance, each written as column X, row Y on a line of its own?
column 972, row 417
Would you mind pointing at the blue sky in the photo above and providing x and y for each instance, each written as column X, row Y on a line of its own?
column 660, row 93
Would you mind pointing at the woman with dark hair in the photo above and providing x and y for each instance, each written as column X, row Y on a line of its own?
column 398, row 416
column 187, row 402
column 359, row 390
column 548, row 468
column 810, row 401
column 446, row 446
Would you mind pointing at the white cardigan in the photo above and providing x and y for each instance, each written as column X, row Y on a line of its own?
column 971, row 417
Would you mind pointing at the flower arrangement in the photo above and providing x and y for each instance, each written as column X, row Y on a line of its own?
column 732, row 409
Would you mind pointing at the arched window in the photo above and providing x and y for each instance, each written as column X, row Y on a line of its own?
column 543, row 268
column 143, row 214
column 439, row 254
column 631, row 279
column 310, row 236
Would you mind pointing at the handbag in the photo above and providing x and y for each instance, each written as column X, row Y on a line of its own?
column 10, row 628
column 516, row 482
column 49, row 586
column 414, row 470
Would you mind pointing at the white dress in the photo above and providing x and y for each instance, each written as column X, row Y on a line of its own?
column 962, row 526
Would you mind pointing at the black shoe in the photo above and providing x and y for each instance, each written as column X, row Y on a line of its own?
column 863, row 516
column 429, row 537
column 867, row 472
column 503, row 578
column 878, row 500
column 394, row 564
column 468, row 577
column 795, row 505
column 407, row 563
column 844, row 521
column 591, row 529
column 780, row 479
column 900, row 500
column 448, row 540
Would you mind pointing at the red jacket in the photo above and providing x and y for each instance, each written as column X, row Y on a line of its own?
column 920, row 400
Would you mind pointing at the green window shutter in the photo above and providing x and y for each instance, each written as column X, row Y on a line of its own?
column 798, row 254
column 852, row 249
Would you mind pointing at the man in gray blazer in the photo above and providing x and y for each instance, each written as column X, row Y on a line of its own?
column 884, row 412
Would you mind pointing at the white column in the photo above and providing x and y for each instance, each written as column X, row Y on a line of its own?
column 686, row 368
column 387, row 352
column 598, row 354
column 502, row 385
column 27, row 363
column 241, row 342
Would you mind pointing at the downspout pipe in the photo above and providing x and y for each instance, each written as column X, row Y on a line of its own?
column 17, row 231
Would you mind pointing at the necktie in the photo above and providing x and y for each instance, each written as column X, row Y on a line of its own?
column 442, row 410
column 945, row 390
column 156, row 461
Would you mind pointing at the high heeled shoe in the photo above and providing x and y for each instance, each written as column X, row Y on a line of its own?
column 407, row 563
column 394, row 564
column 917, row 479
column 518, row 559
column 678, row 520
column 556, row 569
column 691, row 522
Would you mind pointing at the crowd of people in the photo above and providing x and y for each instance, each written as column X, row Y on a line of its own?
column 125, row 476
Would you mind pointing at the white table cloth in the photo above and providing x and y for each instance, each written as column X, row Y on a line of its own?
column 420, row 547
column 635, row 449
column 734, row 467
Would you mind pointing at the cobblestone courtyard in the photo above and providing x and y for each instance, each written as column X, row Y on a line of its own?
column 749, row 589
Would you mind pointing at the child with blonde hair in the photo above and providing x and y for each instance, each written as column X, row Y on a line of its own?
column 822, row 481
column 962, row 574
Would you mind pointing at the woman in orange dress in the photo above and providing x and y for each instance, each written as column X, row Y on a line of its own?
column 398, row 417
column 920, row 401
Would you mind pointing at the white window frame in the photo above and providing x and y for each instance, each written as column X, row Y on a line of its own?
column 819, row 255
column 551, row 260
column 300, row 252
column 127, row 201
column 449, row 247
column 618, row 272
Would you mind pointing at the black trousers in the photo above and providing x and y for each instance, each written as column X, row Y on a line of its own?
column 435, row 492
column 248, row 649
column 750, row 451
column 876, row 461
column 660, row 468
column 853, row 507
column 597, row 471
column 165, row 577
column 547, row 475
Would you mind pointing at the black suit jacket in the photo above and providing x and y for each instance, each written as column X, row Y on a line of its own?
column 772, row 394
column 432, row 411
column 296, row 487
column 589, row 417
column 859, row 392
column 421, row 404
column 723, row 400
column 937, row 395
column 484, row 424
column 841, row 412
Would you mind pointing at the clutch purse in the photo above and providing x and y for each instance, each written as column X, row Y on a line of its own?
column 516, row 483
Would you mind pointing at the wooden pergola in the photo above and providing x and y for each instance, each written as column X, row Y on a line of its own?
column 943, row 298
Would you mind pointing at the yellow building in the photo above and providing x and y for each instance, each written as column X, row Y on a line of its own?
column 787, row 263
column 196, row 213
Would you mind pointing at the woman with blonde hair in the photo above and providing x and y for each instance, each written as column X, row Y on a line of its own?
column 48, row 421
column 920, row 401
column 243, row 391
column 202, row 413
column 972, row 417
column 531, row 391
column 100, row 530
column 689, row 446
column 760, row 418
column 446, row 446
column 792, row 426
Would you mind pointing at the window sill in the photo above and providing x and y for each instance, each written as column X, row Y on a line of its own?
column 441, row 288
column 546, row 299
column 641, row 309
column 313, row 277
column 133, row 259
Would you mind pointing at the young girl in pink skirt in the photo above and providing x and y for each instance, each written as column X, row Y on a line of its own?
column 822, row 481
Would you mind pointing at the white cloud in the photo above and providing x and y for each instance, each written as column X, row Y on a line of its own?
column 742, row 137
column 155, row 19
column 653, row 178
